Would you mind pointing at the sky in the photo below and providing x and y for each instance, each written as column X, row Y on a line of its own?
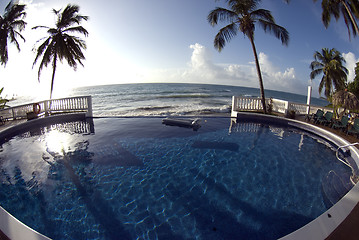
column 171, row 41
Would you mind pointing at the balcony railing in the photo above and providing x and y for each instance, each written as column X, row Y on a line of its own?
column 53, row 106
column 240, row 103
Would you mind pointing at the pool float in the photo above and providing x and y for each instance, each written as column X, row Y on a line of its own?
column 182, row 122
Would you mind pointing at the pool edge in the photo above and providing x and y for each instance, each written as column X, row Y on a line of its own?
column 16, row 230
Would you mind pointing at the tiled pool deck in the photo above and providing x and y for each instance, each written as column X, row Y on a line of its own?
column 348, row 229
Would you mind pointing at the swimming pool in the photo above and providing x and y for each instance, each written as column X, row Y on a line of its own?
column 128, row 178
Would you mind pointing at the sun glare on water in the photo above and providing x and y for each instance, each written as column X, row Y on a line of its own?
column 57, row 142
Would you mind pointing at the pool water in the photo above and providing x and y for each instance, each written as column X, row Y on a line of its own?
column 135, row 178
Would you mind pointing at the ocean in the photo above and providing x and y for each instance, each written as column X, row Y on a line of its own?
column 169, row 99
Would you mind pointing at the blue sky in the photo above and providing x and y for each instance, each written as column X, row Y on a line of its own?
column 171, row 41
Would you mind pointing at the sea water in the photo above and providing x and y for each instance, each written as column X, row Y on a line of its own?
column 169, row 99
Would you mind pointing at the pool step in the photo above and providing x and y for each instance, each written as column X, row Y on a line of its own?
column 334, row 187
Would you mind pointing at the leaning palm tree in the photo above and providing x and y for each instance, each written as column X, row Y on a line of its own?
column 347, row 8
column 242, row 17
column 11, row 24
column 60, row 44
column 330, row 64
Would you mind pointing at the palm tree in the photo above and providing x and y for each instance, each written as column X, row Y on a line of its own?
column 60, row 44
column 330, row 64
column 242, row 16
column 3, row 101
column 11, row 24
column 349, row 10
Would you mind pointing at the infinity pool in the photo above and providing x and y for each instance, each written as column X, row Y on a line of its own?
column 134, row 178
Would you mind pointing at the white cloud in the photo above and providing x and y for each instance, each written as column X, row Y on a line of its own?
column 201, row 57
column 277, row 80
column 202, row 69
column 350, row 64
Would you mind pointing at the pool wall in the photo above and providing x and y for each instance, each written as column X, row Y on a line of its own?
column 320, row 228
column 16, row 230
column 38, row 123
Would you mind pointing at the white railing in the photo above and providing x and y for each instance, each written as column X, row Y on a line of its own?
column 62, row 105
column 240, row 103
column 279, row 106
column 246, row 104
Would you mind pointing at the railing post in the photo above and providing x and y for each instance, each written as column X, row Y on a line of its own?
column 286, row 107
column 309, row 96
column 46, row 107
column 234, row 102
column 89, row 107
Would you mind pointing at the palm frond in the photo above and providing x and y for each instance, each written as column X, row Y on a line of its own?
column 278, row 31
column 263, row 14
column 347, row 8
column 36, row 27
column 69, row 16
column 225, row 35
column 222, row 15
column 321, row 85
column 15, row 11
column 79, row 43
column 47, row 58
column 12, row 35
column 78, row 29
column 243, row 7
column 41, row 49
column 350, row 25
column 316, row 65
column 319, row 56
column 315, row 73
column 18, row 24
column 3, row 52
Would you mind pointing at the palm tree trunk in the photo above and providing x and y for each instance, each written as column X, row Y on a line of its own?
column 259, row 75
column 351, row 16
column 53, row 74
column 335, row 111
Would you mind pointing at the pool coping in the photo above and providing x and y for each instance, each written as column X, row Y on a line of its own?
column 319, row 228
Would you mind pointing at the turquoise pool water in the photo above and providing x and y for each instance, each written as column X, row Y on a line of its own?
column 134, row 178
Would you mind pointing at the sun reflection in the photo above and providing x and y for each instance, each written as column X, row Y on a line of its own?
column 57, row 142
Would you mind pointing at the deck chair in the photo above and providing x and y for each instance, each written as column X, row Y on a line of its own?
column 2, row 120
column 315, row 116
column 355, row 128
column 342, row 124
column 326, row 119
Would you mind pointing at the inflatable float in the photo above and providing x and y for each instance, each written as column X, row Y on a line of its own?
column 183, row 122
